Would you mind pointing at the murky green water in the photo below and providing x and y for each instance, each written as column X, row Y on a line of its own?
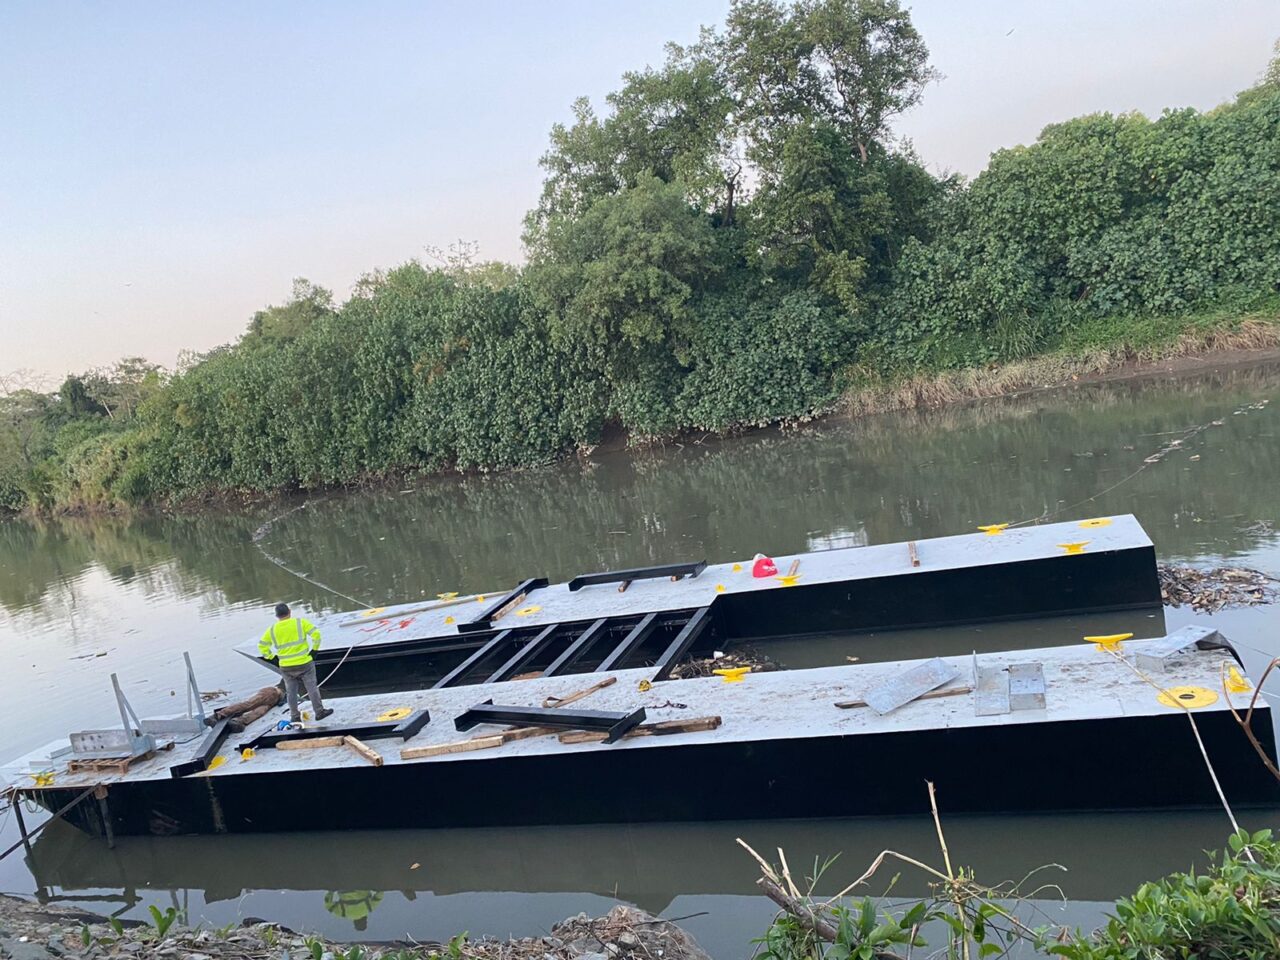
column 80, row 599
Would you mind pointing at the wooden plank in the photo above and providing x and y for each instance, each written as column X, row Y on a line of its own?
column 310, row 743
column 913, row 553
column 460, row 746
column 575, row 697
column 660, row 729
column 366, row 751
column 931, row 695
column 414, row 611
column 794, row 568
column 518, row 733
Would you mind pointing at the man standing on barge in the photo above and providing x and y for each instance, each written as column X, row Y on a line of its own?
column 290, row 642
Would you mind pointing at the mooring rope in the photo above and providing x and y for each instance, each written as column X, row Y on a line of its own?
column 265, row 529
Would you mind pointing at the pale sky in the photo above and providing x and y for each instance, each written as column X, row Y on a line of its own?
column 167, row 168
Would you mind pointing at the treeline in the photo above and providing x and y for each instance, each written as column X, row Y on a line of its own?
column 736, row 239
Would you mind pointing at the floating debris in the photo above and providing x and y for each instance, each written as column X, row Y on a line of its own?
column 707, row 667
column 1208, row 591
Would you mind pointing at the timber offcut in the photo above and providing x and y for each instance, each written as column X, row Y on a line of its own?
column 1103, row 725
column 658, row 615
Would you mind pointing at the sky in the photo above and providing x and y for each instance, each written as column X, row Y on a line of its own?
column 166, row 169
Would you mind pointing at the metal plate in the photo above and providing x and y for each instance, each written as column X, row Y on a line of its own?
column 110, row 743
column 174, row 727
column 1157, row 654
column 992, row 696
column 1026, row 686
column 908, row 685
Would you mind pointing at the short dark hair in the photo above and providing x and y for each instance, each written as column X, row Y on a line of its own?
column 282, row 610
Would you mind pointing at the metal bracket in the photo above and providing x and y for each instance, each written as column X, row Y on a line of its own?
column 1009, row 688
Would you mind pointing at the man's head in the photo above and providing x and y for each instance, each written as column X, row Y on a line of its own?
column 282, row 611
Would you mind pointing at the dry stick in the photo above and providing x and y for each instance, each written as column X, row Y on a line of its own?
column 929, row 695
column 795, row 566
column 552, row 702
column 952, row 886
column 1246, row 724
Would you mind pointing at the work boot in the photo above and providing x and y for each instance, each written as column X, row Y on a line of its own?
column 324, row 712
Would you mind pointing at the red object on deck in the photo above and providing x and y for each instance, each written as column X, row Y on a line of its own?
column 764, row 567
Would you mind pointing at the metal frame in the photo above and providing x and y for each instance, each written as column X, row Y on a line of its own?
column 405, row 729
column 469, row 664
column 615, row 725
column 676, row 571
column 685, row 639
column 481, row 620
column 576, row 650
column 524, row 655
column 635, row 636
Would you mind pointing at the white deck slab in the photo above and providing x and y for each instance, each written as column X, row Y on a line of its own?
column 1082, row 683
column 556, row 604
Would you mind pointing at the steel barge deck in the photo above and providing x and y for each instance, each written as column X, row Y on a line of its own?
column 1062, row 728
column 666, row 613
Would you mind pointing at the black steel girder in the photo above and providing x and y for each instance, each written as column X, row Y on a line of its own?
column 678, row 647
column 614, row 724
column 675, row 571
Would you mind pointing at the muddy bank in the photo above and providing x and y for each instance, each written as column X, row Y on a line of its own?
column 31, row 931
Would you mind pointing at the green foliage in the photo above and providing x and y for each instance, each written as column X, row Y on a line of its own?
column 732, row 240
column 162, row 921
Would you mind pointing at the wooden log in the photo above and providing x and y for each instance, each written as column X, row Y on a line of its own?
column 931, row 695
column 622, row 587
column 575, row 697
column 661, row 729
column 309, row 743
column 913, row 553
column 362, row 748
column 460, row 746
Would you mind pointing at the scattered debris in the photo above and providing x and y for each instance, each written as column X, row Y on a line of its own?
column 1208, row 591
column 41, row 932
column 207, row 695
column 706, row 667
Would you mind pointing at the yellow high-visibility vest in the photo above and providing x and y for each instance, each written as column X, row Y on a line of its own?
column 290, row 641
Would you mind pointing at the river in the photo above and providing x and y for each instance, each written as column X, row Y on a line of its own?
column 81, row 598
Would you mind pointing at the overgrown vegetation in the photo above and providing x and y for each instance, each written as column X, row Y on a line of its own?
column 1229, row 911
column 736, row 239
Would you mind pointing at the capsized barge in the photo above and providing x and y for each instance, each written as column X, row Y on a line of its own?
column 1046, row 730
column 660, row 615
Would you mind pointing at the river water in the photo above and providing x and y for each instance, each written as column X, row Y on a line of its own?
column 80, row 599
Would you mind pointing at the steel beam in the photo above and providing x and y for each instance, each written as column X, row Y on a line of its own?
column 481, row 620
column 522, row 657
column 685, row 639
column 405, row 729
column 209, row 748
column 614, row 724
column 469, row 664
column 636, row 636
column 576, row 650
column 675, row 571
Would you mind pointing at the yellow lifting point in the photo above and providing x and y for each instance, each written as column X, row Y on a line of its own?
column 1110, row 642
column 1074, row 547
column 528, row 611
column 1188, row 697
column 732, row 674
column 788, row 579
column 399, row 713
column 719, row 588
column 448, row 619
column 644, row 686
column 248, row 753
column 993, row 529
column 447, row 596
column 216, row 762
column 1096, row 522
column 737, row 568
column 42, row 779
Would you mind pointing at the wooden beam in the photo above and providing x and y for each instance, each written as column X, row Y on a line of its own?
column 366, row 751
column 575, row 697
column 310, row 743
column 460, row 746
column 660, row 729
column 913, row 553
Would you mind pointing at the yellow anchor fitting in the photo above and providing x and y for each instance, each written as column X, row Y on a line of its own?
column 1189, row 697
column 732, row 674
column 43, row 779
column 216, row 762
column 1236, row 683
column 993, row 529
column 447, row 596
column 528, row 611
column 374, row 612
column 788, row 579
column 448, row 619
column 1074, row 547
column 480, row 599
column 398, row 713
column 644, row 686
column 737, row 568
column 1096, row 522
column 719, row 588
column 1109, row 642
column 248, row 753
